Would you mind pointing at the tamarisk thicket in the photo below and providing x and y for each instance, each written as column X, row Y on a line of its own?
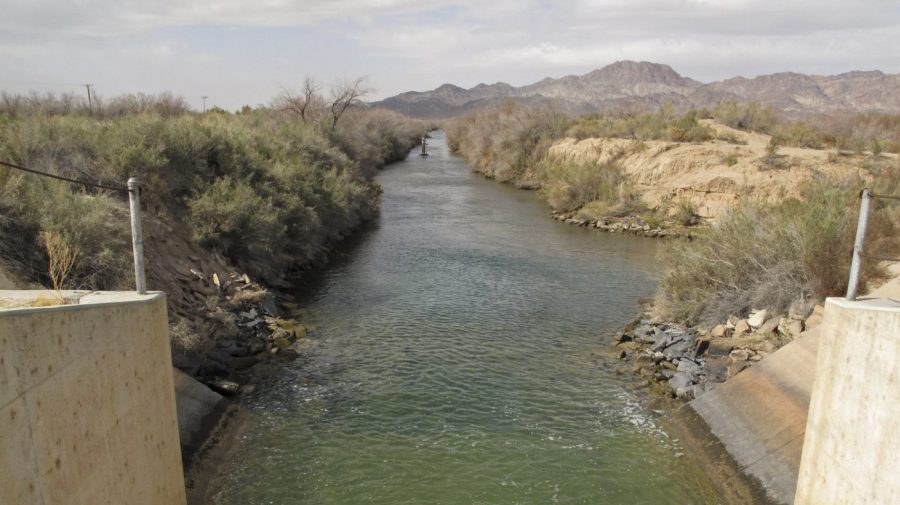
column 268, row 190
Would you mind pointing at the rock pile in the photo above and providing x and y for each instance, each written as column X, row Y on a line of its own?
column 634, row 226
column 686, row 362
column 244, row 329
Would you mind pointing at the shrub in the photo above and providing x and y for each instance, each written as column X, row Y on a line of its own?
column 61, row 258
column 730, row 159
column 662, row 124
column 772, row 159
column 232, row 217
column 96, row 225
column 570, row 185
column 762, row 256
column 507, row 142
column 749, row 116
column 267, row 190
column 686, row 212
column 731, row 138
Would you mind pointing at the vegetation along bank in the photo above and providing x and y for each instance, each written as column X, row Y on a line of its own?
column 235, row 204
column 769, row 204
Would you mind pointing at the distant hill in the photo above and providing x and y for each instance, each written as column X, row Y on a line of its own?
column 632, row 84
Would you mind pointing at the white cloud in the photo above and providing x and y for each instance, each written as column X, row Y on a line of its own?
column 111, row 18
column 246, row 50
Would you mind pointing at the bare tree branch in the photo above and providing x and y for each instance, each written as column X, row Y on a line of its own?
column 346, row 94
column 305, row 104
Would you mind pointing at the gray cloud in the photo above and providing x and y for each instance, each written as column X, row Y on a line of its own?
column 242, row 52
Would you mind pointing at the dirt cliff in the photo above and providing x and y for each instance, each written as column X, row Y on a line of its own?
column 715, row 175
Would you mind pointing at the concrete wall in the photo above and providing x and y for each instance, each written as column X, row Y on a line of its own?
column 749, row 430
column 87, row 407
column 852, row 447
column 199, row 410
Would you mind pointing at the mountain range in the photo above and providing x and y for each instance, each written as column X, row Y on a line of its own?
column 632, row 84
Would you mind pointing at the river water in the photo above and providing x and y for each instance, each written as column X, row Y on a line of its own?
column 457, row 356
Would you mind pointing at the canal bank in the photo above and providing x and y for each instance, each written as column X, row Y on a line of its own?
column 454, row 357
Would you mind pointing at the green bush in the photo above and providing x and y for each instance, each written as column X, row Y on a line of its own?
column 570, row 185
column 663, row 124
column 232, row 217
column 750, row 116
column 96, row 224
column 267, row 190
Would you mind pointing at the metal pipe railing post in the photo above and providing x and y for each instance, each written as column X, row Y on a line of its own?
column 137, row 239
column 856, row 264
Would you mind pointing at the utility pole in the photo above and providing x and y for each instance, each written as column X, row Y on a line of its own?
column 90, row 102
column 204, row 103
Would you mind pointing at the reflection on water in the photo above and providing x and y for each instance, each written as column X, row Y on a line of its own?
column 452, row 362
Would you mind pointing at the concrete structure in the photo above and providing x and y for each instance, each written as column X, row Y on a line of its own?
column 5, row 282
column 87, row 406
column 199, row 409
column 750, row 429
column 852, row 446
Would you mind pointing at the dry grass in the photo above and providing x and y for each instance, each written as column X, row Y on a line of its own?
column 48, row 301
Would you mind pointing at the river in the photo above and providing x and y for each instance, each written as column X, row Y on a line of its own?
column 458, row 356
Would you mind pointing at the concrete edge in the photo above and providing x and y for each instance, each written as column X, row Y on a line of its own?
column 199, row 411
column 874, row 304
column 733, row 484
column 212, row 454
column 208, row 426
column 90, row 298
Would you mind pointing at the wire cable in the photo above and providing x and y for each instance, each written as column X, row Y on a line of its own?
column 54, row 176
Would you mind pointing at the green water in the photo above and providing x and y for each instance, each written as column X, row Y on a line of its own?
column 456, row 358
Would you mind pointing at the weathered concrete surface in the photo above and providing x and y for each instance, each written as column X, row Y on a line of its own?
column 751, row 427
column 5, row 282
column 199, row 409
column 87, row 407
column 852, row 446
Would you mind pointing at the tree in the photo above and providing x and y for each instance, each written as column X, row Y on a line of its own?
column 306, row 104
column 346, row 94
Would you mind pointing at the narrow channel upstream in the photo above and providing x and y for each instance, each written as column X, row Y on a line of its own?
column 456, row 358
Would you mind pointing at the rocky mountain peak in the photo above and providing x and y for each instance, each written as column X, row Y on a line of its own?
column 633, row 72
column 643, row 84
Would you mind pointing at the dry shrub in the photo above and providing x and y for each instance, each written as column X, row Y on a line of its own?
column 749, row 116
column 186, row 337
column 247, row 297
column 686, row 212
column 61, row 258
column 768, row 256
column 43, row 301
column 507, row 142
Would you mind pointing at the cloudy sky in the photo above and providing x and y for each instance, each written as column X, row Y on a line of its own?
column 243, row 52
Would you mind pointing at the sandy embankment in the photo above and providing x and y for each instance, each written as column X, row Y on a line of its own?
column 715, row 175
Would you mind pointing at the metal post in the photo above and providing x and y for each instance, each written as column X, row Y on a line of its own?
column 856, row 265
column 137, row 239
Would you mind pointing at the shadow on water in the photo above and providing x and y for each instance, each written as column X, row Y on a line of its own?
column 306, row 284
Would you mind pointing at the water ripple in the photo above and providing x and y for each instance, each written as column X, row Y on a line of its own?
column 454, row 364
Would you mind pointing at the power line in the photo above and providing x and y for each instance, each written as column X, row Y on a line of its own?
column 54, row 176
